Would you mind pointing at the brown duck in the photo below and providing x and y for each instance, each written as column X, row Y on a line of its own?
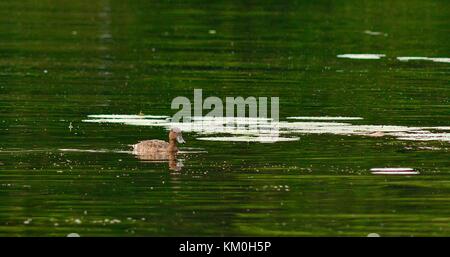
column 159, row 149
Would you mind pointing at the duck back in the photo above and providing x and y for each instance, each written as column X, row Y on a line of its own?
column 150, row 147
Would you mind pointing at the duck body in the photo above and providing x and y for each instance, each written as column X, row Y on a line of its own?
column 154, row 147
column 159, row 149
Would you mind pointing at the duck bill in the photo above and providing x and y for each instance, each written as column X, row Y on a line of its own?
column 180, row 139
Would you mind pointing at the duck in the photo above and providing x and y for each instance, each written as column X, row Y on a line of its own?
column 159, row 149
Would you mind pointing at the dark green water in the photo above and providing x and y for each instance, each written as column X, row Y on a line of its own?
column 61, row 61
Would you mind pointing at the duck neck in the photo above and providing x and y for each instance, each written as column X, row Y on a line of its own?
column 173, row 145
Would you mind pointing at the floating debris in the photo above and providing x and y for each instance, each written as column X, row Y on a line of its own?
column 373, row 235
column 362, row 56
column 394, row 171
column 73, row 235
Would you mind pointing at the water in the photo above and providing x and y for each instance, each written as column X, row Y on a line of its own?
column 61, row 63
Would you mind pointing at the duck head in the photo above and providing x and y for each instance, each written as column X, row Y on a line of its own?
column 175, row 134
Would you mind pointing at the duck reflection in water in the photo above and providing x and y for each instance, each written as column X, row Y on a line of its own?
column 161, row 151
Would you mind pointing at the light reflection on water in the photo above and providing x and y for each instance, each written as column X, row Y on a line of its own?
column 267, row 131
column 362, row 56
column 433, row 59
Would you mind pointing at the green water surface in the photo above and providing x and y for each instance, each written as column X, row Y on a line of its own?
column 61, row 61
